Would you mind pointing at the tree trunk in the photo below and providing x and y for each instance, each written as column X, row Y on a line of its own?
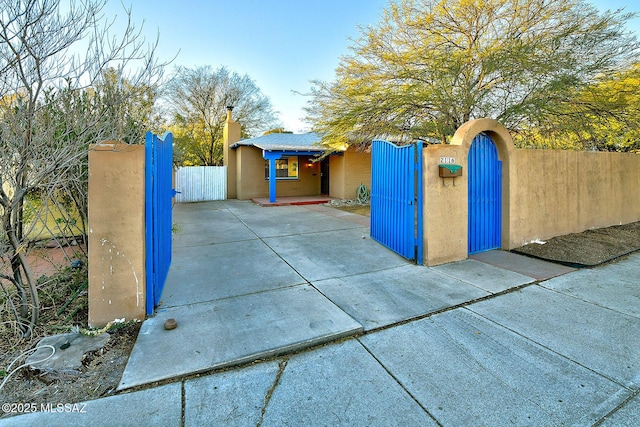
column 22, row 273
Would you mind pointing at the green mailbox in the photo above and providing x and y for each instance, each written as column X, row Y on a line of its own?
column 449, row 171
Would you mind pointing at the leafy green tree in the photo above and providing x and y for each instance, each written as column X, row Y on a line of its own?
column 276, row 130
column 199, row 99
column 431, row 65
column 603, row 116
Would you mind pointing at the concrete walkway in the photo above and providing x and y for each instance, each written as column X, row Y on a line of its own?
column 495, row 340
column 249, row 283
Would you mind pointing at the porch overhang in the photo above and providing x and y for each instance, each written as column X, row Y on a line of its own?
column 273, row 155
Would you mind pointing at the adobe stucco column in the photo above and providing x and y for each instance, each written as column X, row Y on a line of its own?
column 231, row 134
column 116, row 233
column 445, row 206
column 446, row 213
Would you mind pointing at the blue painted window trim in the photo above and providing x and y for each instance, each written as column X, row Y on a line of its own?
column 285, row 178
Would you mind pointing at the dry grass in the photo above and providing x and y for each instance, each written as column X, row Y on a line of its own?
column 364, row 210
column 63, row 302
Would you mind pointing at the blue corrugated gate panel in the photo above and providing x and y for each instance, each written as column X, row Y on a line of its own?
column 396, row 194
column 485, row 195
column 158, row 212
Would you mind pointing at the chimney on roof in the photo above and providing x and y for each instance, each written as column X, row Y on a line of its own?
column 232, row 133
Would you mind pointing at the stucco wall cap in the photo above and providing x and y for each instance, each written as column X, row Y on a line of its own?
column 465, row 133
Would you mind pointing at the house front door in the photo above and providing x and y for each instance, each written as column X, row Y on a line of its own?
column 324, row 176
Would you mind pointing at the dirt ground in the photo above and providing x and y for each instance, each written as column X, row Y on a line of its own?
column 98, row 377
column 102, row 370
column 589, row 248
column 351, row 206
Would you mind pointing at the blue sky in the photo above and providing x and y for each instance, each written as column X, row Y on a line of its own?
column 280, row 44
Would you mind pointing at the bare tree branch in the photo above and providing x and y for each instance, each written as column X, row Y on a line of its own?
column 65, row 82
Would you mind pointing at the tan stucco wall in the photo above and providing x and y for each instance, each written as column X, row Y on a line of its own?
column 250, row 176
column 545, row 193
column 347, row 172
column 337, row 173
column 559, row 192
column 116, row 255
column 252, row 183
column 444, row 207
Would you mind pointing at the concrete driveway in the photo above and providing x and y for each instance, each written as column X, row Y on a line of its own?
column 319, row 325
column 249, row 282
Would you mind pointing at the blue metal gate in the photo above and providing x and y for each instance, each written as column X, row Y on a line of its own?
column 158, row 209
column 485, row 195
column 396, row 197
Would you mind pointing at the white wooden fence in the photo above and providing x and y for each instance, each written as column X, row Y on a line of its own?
column 201, row 183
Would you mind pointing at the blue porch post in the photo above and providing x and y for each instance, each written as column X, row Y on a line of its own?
column 272, row 157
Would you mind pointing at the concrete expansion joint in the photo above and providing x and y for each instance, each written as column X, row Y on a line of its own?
column 550, row 289
column 622, row 404
column 452, row 307
column 164, row 308
column 183, row 403
column 397, row 380
column 264, row 242
column 281, row 367
column 354, row 335
column 207, row 244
